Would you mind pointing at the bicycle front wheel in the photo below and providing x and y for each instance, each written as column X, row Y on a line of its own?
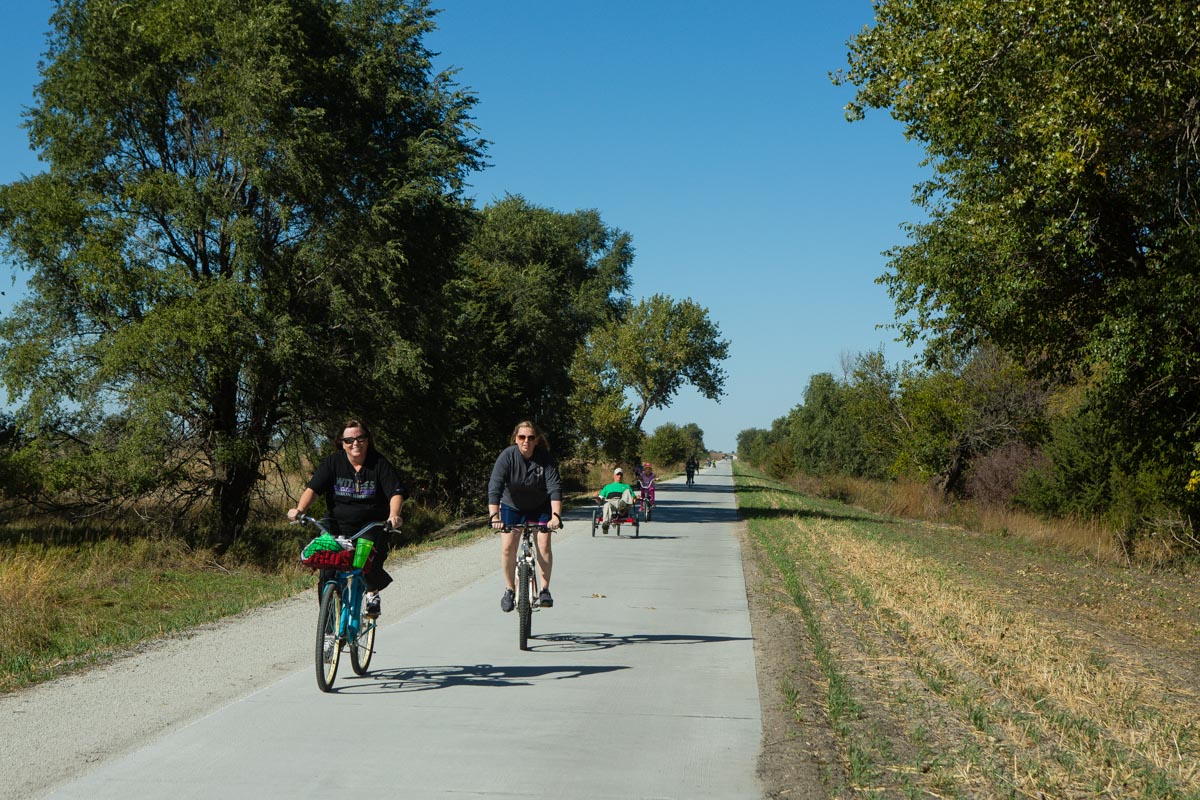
column 364, row 645
column 328, row 645
column 524, row 603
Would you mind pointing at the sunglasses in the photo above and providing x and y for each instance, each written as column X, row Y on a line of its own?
column 353, row 439
column 523, row 438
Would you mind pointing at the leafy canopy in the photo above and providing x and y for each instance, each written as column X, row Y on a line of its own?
column 1064, row 140
column 659, row 347
column 243, row 208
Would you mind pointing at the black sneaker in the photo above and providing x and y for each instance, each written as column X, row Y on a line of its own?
column 372, row 604
column 506, row 600
column 544, row 599
column 605, row 527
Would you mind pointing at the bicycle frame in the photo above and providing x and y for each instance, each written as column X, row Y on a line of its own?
column 526, row 579
column 350, row 629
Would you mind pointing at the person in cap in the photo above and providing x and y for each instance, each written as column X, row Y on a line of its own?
column 616, row 498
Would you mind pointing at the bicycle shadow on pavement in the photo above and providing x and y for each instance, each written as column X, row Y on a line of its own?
column 421, row 679
column 571, row 642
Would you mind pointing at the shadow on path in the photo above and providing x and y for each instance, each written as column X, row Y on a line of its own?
column 420, row 679
column 564, row 642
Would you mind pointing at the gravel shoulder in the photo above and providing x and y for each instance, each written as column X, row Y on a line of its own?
column 56, row 731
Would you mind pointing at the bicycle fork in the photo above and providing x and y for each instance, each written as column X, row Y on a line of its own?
column 527, row 557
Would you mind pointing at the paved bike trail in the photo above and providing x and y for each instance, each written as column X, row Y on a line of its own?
column 639, row 683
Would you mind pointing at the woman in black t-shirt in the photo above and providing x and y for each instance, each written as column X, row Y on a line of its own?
column 360, row 486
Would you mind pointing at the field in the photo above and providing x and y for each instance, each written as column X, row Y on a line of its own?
column 909, row 659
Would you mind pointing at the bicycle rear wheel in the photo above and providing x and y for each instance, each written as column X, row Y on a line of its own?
column 328, row 645
column 364, row 644
column 524, row 604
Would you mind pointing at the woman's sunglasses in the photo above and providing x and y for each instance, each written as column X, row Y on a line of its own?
column 353, row 439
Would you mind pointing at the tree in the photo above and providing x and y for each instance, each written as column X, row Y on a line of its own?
column 655, row 350
column 753, row 444
column 245, row 210
column 532, row 284
column 1064, row 140
column 826, row 437
column 696, row 437
column 669, row 444
column 934, row 422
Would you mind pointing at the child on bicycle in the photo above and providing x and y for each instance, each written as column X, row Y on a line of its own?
column 647, row 481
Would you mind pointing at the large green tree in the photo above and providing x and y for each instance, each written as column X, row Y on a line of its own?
column 660, row 346
column 532, row 284
column 1064, row 143
column 245, row 208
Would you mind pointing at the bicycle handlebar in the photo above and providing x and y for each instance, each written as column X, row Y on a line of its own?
column 538, row 526
column 305, row 518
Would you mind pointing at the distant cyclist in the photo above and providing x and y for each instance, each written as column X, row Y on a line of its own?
column 692, row 467
column 360, row 486
column 525, row 487
column 647, row 479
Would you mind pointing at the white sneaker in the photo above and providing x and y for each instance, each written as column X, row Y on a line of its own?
column 371, row 604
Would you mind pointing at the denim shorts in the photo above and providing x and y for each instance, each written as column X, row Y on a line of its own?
column 511, row 517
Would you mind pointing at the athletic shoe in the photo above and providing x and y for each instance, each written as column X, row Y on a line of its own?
column 507, row 601
column 330, row 646
column 605, row 527
column 371, row 604
column 544, row 599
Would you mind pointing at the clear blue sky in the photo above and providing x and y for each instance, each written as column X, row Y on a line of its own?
column 709, row 132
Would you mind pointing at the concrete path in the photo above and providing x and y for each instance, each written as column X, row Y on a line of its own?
column 640, row 683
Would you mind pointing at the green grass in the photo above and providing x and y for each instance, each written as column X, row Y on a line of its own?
column 73, row 597
column 68, row 607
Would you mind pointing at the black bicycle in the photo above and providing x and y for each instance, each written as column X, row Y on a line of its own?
column 342, row 620
column 527, row 580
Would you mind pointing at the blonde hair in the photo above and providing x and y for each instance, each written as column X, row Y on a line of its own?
column 542, row 441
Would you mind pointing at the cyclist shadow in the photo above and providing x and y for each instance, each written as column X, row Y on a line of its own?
column 651, row 536
column 570, row 642
column 420, row 679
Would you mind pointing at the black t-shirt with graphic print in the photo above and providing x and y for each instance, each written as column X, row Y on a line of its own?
column 356, row 499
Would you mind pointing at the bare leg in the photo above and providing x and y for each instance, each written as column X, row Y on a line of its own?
column 508, row 558
column 545, row 557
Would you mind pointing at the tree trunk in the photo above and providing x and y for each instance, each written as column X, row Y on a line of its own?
column 231, row 503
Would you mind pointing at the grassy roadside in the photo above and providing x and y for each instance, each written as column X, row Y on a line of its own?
column 70, row 606
column 952, row 664
column 71, row 601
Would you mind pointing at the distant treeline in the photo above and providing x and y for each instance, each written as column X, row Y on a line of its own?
column 982, row 427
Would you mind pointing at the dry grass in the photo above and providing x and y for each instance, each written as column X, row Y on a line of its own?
column 70, row 605
column 916, row 500
column 984, row 666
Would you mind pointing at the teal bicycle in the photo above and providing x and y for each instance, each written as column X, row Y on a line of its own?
column 342, row 622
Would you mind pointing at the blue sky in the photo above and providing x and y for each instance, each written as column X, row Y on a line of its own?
column 709, row 132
